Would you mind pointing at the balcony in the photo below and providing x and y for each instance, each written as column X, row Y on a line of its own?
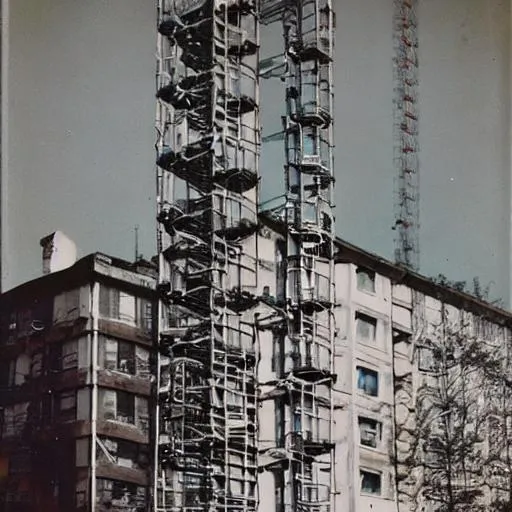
column 309, row 444
column 310, row 288
column 242, row 6
column 312, row 497
column 310, row 361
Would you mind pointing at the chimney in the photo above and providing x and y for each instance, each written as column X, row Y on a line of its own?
column 59, row 252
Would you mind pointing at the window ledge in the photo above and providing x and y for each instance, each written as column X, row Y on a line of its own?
column 379, row 450
column 367, row 292
column 365, row 395
column 375, row 346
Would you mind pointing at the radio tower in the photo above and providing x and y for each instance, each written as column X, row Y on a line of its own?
column 207, row 174
column 407, row 196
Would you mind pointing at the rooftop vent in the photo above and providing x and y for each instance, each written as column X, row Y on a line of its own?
column 59, row 252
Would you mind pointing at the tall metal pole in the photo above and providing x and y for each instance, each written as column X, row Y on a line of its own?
column 406, row 149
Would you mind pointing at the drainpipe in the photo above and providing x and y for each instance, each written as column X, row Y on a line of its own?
column 4, row 111
column 394, row 422
column 95, row 302
column 155, row 387
column 353, row 491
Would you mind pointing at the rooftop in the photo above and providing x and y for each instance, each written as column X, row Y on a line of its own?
column 143, row 273
column 139, row 274
column 349, row 253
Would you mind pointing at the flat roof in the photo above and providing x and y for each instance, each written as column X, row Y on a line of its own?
column 350, row 253
column 140, row 275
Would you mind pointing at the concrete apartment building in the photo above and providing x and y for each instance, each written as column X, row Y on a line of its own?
column 293, row 371
column 387, row 323
column 372, row 411
column 75, row 357
column 391, row 326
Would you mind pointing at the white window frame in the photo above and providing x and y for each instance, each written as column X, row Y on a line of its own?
column 363, row 389
column 362, row 472
column 370, row 323
column 371, row 278
column 376, row 432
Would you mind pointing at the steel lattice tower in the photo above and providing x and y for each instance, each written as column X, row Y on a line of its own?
column 407, row 197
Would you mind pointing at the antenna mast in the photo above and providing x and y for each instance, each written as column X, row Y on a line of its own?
column 136, row 229
column 407, row 194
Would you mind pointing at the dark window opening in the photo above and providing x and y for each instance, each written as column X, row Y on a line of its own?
column 365, row 280
column 366, row 327
column 279, row 425
column 126, row 357
column 371, row 482
column 368, row 381
column 370, row 432
column 65, row 405
column 279, row 491
column 125, row 407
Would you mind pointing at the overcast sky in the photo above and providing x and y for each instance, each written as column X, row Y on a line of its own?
column 81, row 137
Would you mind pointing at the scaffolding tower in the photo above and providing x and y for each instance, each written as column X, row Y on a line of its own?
column 406, row 147
column 306, row 369
column 207, row 174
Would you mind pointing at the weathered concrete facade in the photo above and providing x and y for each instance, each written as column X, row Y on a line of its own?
column 398, row 335
column 405, row 348
column 75, row 354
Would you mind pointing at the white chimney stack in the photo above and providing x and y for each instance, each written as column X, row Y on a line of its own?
column 59, row 252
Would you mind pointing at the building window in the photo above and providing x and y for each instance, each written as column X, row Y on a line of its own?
column 309, row 141
column 118, row 356
column 277, row 342
column 279, row 491
column 124, row 307
column 193, row 487
column 125, row 407
column 279, row 424
column 70, row 355
column 365, row 280
column 117, row 495
column 121, row 452
column 63, row 356
column 145, row 314
column 366, row 327
column 118, row 406
column 370, row 482
column 66, row 406
column 36, row 366
column 370, row 432
column 117, row 305
column 7, row 373
column 368, row 381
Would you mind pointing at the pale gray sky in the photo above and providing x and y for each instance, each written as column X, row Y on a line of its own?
column 81, row 137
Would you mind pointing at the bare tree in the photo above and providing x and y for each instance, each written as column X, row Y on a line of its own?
column 498, row 397
column 451, row 418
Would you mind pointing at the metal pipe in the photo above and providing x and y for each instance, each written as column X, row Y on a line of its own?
column 94, row 316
